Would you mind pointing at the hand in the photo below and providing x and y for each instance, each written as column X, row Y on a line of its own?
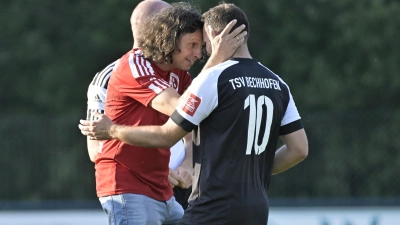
column 181, row 177
column 225, row 44
column 174, row 178
column 98, row 129
column 186, row 175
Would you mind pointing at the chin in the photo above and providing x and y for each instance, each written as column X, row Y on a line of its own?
column 184, row 68
column 188, row 66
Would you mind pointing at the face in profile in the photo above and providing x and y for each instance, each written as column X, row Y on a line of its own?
column 190, row 50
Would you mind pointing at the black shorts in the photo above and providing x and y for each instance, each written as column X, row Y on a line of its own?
column 182, row 195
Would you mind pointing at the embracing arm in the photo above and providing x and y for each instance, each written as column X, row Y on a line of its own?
column 186, row 168
column 166, row 101
column 149, row 136
column 182, row 175
column 188, row 145
column 294, row 151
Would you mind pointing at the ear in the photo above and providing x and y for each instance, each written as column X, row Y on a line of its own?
column 212, row 32
column 215, row 33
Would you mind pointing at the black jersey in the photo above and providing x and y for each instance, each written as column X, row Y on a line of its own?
column 240, row 109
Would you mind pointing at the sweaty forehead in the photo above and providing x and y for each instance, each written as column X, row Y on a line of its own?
column 195, row 36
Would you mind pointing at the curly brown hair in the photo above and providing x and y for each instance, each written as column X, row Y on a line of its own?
column 162, row 33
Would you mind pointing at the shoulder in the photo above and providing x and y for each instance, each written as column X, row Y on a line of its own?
column 277, row 77
column 135, row 64
column 215, row 72
column 218, row 69
column 101, row 78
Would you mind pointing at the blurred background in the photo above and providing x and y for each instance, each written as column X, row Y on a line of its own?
column 340, row 58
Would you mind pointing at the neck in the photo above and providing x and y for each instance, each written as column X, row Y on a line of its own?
column 163, row 66
column 242, row 52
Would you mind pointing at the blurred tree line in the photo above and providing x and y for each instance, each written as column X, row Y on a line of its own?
column 340, row 58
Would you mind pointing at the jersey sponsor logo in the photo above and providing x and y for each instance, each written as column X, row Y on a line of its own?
column 174, row 81
column 190, row 104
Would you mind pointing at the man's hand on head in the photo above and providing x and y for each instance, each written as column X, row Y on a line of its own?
column 226, row 42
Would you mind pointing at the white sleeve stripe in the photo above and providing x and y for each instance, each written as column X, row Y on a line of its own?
column 156, row 89
column 161, row 84
column 147, row 67
column 102, row 77
column 290, row 118
column 158, row 86
column 139, row 66
column 132, row 66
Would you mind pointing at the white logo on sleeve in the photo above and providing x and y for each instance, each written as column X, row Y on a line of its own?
column 174, row 81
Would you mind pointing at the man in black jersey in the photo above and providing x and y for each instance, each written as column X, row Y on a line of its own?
column 237, row 110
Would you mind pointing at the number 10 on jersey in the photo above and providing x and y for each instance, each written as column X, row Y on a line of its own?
column 255, row 118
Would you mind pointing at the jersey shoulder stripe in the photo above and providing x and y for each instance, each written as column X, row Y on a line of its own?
column 158, row 85
column 101, row 78
column 161, row 83
column 139, row 66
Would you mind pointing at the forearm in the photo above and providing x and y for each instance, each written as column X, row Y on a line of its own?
column 285, row 159
column 166, row 101
column 144, row 136
column 188, row 145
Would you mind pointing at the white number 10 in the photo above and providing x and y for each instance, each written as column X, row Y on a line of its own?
column 255, row 118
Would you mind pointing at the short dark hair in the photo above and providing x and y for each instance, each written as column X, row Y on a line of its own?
column 219, row 16
column 162, row 33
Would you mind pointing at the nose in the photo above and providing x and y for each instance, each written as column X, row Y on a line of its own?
column 197, row 53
